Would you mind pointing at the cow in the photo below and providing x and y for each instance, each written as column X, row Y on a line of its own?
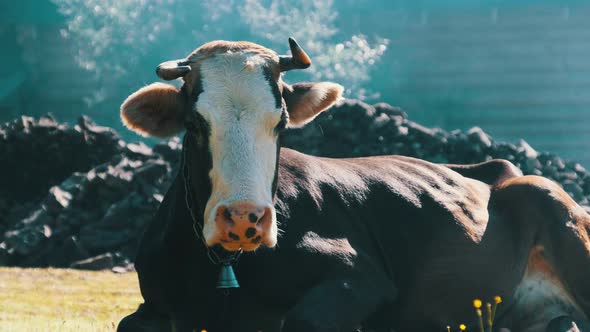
column 382, row 243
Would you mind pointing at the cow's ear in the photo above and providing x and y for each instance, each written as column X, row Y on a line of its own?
column 155, row 110
column 306, row 100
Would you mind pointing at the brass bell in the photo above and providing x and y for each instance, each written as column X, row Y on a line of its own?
column 227, row 278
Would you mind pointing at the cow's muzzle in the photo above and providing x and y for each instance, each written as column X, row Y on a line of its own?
column 243, row 225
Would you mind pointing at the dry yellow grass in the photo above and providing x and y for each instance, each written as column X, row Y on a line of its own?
column 47, row 300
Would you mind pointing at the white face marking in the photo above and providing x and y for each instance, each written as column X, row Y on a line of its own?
column 238, row 104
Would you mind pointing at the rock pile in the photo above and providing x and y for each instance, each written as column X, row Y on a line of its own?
column 80, row 196
column 98, row 193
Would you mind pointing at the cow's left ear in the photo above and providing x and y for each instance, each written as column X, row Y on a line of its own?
column 306, row 100
column 155, row 110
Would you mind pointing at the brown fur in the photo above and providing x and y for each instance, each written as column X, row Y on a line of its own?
column 305, row 101
column 538, row 264
column 155, row 110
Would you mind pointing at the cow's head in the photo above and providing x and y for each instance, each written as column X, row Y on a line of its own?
column 235, row 106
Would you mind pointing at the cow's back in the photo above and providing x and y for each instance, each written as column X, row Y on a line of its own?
column 493, row 172
column 361, row 184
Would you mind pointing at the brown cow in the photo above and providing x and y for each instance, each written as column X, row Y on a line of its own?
column 378, row 243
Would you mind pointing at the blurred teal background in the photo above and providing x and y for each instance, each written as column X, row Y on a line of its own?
column 518, row 69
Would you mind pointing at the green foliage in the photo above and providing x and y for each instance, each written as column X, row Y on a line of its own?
column 111, row 35
column 115, row 37
column 347, row 61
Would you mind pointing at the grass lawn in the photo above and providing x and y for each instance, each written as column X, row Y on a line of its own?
column 48, row 300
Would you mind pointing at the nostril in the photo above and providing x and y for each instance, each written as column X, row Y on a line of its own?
column 227, row 215
column 253, row 218
column 250, row 232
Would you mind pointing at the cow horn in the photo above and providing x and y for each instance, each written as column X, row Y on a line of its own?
column 173, row 69
column 297, row 60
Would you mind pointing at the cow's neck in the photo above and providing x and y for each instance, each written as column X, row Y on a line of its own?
column 275, row 180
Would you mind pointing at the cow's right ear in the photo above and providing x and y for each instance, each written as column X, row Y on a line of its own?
column 305, row 101
column 155, row 110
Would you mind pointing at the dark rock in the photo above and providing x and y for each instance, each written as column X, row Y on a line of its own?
column 102, row 203
column 37, row 217
column 550, row 171
column 152, row 170
column 169, row 150
column 121, row 212
column 123, row 269
column 573, row 189
column 569, row 176
column 42, row 153
column 15, row 214
column 578, row 168
column 27, row 240
column 381, row 121
column 70, row 251
column 559, row 163
column 57, row 200
column 385, row 108
column 524, row 148
column 505, row 151
column 423, row 134
column 478, row 136
column 138, row 150
column 531, row 166
column 4, row 256
column 97, row 239
column 100, row 262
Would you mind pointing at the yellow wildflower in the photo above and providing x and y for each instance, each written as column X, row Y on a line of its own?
column 477, row 303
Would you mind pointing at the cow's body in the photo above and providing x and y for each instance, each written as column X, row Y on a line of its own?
column 393, row 242
column 334, row 244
